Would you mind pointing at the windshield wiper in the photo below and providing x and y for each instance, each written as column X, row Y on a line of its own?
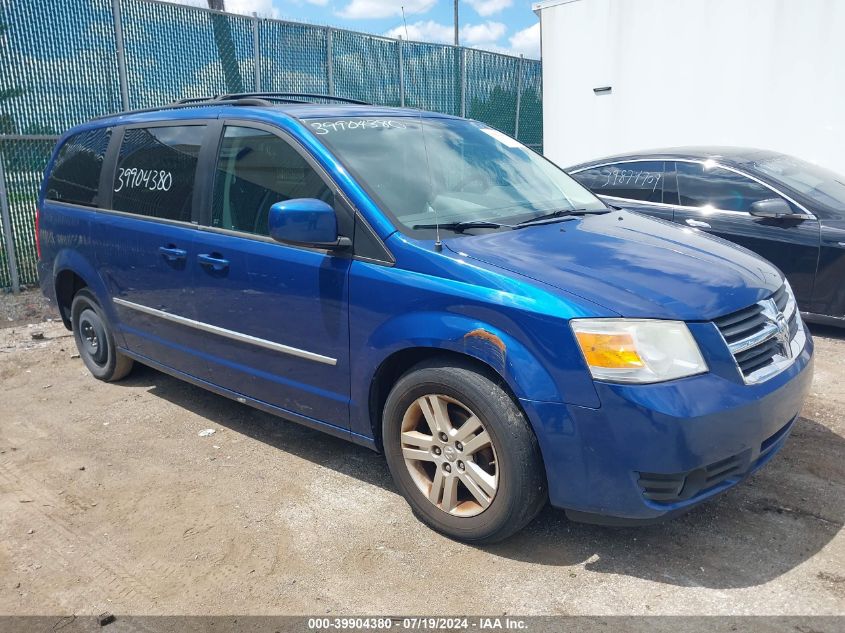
column 560, row 215
column 460, row 227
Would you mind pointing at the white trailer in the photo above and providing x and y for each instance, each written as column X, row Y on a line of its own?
column 626, row 75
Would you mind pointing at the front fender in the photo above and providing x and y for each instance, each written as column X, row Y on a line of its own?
column 457, row 333
column 501, row 351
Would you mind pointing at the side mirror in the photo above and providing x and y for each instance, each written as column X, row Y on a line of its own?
column 773, row 208
column 305, row 222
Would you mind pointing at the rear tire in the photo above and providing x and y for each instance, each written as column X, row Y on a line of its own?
column 94, row 339
column 462, row 453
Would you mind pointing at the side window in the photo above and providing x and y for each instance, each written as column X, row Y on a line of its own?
column 156, row 169
column 700, row 186
column 75, row 177
column 641, row 180
column 255, row 170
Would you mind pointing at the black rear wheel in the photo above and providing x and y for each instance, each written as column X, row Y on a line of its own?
column 94, row 339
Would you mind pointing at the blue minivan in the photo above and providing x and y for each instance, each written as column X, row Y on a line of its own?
column 426, row 286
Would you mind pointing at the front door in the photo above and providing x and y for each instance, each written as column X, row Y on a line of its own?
column 718, row 200
column 829, row 292
column 277, row 314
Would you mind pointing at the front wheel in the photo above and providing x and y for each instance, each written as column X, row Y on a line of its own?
column 94, row 339
column 462, row 453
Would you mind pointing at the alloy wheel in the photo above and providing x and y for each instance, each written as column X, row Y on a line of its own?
column 450, row 455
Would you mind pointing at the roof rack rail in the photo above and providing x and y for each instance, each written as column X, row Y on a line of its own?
column 287, row 97
column 237, row 99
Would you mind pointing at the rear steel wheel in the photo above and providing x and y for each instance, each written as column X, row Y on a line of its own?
column 94, row 339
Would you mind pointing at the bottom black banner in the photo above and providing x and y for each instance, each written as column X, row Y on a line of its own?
column 115, row 623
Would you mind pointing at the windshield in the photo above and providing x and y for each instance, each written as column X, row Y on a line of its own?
column 822, row 185
column 423, row 171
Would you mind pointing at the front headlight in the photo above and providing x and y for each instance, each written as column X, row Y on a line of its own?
column 638, row 350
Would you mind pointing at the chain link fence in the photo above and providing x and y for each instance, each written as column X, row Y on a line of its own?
column 64, row 63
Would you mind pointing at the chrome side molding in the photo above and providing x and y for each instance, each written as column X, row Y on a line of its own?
column 230, row 334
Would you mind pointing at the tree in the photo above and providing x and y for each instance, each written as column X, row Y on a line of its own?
column 7, row 122
column 226, row 47
column 497, row 109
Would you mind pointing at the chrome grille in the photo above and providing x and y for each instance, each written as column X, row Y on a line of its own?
column 764, row 338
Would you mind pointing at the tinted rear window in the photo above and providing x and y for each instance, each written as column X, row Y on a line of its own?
column 75, row 176
column 635, row 180
column 156, row 170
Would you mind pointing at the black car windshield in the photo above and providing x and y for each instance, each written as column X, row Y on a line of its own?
column 817, row 183
column 427, row 170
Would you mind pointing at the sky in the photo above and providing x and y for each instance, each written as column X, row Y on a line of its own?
column 505, row 26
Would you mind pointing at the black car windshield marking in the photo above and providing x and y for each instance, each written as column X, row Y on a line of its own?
column 429, row 171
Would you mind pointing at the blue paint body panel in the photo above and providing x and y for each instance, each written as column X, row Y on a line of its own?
column 503, row 298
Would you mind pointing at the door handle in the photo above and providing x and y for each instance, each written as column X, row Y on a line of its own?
column 173, row 254
column 213, row 261
column 697, row 223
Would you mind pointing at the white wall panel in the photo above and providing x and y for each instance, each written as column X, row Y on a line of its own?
column 759, row 73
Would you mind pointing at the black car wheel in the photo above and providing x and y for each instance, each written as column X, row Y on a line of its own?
column 94, row 339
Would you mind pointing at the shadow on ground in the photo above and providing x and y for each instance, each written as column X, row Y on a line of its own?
column 827, row 331
column 770, row 524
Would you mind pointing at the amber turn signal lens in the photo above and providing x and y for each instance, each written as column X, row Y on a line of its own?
column 613, row 351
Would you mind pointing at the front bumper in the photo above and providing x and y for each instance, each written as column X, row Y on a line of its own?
column 653, row 451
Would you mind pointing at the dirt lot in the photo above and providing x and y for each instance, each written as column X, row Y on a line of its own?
column 109, row 500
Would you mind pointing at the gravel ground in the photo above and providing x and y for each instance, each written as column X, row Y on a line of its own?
column 24, row 308
column 111, row 501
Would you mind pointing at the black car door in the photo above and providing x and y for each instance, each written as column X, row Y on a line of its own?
column 717, row 199
column 635, row 185
column 829, row 292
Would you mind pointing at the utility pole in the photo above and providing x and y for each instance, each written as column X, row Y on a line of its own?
column 457, row 30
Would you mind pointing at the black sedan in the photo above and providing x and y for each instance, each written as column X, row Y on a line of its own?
column 788, row 210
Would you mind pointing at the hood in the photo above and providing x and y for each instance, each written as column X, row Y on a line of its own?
column 631, row 264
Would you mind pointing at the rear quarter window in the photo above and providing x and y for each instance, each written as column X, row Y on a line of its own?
column 156, row 171
column 75, row 176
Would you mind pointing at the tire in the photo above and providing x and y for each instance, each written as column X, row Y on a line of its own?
column 471, row 487
column 94, row 339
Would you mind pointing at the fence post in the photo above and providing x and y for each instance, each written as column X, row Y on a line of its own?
column 8, row 231
column 121, row 56
column 330, row 59
column 463, row 82
column 256, row 45
column 401, row 72
column 518, row 97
